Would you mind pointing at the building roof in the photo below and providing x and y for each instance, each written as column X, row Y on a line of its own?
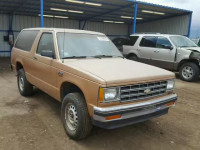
column 118, row 11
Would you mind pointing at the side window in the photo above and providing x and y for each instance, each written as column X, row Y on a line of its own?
column 148, row 41
column 133, row 40
column 46, row 43
column 25, row 40
column 163, row 42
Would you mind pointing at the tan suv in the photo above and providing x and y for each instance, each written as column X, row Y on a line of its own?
column 86, row 72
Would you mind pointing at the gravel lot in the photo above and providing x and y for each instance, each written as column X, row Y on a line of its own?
column 34, row 123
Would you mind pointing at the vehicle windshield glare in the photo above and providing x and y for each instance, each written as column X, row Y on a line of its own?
column 182, row 41
column 76, row 45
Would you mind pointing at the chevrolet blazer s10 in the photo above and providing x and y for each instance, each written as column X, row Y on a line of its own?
column 89, row 76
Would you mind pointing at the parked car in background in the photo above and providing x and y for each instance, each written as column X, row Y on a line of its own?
column 95, row 84
column 172, row 52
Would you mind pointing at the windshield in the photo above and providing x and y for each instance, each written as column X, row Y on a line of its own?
column 76, row 45
column 181, row 41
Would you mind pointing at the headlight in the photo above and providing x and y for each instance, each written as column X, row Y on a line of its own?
column 108, row 94
column 170, row 85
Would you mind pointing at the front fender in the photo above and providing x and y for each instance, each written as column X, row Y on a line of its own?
column 182, row 54
column 89, row 88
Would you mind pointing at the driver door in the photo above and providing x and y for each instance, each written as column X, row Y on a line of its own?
column 43, row 67
column 164, row 53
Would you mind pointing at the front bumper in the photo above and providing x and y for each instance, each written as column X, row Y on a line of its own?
column 132, row 113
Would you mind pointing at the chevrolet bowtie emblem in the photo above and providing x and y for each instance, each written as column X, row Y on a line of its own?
column 147, row 91
column 60, row 74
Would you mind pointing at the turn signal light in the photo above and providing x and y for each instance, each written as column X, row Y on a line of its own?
column 101, row 95
column 113, row 117
column 170, row 104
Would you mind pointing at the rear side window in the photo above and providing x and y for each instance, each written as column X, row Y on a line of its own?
column 25, row 40
column 133, row 40
column 163, row 42
column 148, row 41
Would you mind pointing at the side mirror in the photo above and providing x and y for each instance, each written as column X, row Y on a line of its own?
column 168, row 47
column 171, row 47
column 48, row 53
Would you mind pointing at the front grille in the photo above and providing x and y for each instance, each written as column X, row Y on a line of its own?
column 142, row 91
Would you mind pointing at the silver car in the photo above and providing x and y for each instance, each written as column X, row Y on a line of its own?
column 172, row 52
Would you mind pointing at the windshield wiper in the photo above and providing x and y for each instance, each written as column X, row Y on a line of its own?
column 103, row 56
column 189, row 46
column 74, row 57
column 97, row 56
column 119, row 56
column 106, row 56
column 184, row 46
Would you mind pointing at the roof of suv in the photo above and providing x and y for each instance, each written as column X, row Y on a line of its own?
column 66, row 30
column 153, row 34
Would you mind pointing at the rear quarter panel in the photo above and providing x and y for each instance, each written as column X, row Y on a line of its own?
column 22, row 57
column 127, row 49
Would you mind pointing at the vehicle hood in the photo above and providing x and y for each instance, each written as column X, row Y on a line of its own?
column 197, row 49
column 120, row 71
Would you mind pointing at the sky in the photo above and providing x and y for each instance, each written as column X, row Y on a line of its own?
column 193, row 5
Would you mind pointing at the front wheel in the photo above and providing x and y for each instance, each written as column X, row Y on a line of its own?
column 189, row 72
column 75, row 116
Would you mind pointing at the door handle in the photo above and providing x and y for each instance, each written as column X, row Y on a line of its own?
column 156, row 51
column 35, row 58
column 138, row 49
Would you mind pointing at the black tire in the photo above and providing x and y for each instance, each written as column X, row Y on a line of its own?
column 27, row 88
column 83, row 126
column 194, row 76
column 133, row 57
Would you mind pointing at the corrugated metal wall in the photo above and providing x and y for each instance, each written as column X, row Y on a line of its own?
column 21, row 22
column 107, row 28
column 4, row 24
column 176, row 25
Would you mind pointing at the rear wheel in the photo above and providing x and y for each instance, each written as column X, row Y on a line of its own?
column 75, row 116
column 189, row 72
column 25, row 88
column 133, row 57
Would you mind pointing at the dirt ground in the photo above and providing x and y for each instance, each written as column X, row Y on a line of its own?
column 34, row 123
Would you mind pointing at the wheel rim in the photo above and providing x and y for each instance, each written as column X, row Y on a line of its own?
column 21, row 83
column 71, row 117
column 187, row 72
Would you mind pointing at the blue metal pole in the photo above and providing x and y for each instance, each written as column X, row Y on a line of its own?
column 10, row 30
column 41, row 13
column 135, row 18
column 190, row 23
